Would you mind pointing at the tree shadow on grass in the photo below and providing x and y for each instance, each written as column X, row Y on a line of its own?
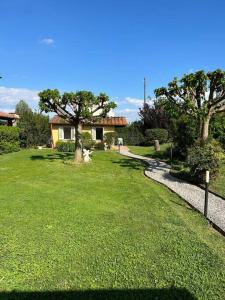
column 119, row 294
column 133, row 164
column 54, row 156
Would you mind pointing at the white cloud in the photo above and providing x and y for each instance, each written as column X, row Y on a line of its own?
column 134, row 101
column 48, row 41
column 130, row 113
column 9, row 97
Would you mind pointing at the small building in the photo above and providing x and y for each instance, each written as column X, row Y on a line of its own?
column 8, row 119
column 63, row 131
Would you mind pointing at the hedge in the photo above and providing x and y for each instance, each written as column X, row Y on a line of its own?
column 155, row 134
column 131, row 135
column 68, row 146
column 9, row 139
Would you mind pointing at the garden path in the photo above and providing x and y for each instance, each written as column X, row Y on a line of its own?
column 195, row 196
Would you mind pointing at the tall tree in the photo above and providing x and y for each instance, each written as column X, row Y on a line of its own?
column 198, row 94
column 153, row 116
column 34, row 127
column 76, row 108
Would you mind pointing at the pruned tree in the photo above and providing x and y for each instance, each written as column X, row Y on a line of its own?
column 199, row 94
column 76, row 108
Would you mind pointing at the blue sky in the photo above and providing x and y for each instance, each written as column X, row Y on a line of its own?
column 105, row 45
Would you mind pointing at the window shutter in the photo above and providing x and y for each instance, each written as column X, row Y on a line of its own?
column 93, row 133
column 61, row 135
column 72, row 133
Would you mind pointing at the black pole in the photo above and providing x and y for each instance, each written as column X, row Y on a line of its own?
column 171, row 155
column 206, row 199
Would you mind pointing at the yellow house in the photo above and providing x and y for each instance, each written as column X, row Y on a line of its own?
column 62, row 131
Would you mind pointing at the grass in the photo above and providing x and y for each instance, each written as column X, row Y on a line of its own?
column 218, row 186
column 149, row 151
column 100, row 231
column 179, row 169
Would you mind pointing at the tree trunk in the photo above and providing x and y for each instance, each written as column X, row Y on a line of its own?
column 205, row 129
column 78, row 145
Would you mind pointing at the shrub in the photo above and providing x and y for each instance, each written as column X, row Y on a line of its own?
column 184, row 132
column 9, row 133
column 7, row 147
column 155, row 134
column 68, row 146
column 9, row 139
column 131, row 135
column 99, row 146
column 204, row 157
column 110, row 138
column 87, row 141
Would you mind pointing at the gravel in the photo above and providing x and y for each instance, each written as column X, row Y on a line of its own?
column 159, row 171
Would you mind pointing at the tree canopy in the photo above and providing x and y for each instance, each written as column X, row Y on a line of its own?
column 76, row 108
column 198, row 94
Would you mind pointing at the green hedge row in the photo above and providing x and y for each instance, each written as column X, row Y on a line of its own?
column 155, row 134
column 9, row 139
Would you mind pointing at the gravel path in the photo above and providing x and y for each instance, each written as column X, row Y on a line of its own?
column 159, row 171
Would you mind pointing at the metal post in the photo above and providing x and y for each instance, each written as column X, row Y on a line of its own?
column 145, row 96
column 206, row 194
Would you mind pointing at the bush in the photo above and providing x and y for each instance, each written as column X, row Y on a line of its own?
column 87, row 141
column 204, row 157
column 155, row 134
column 62, row 146
column 7, row 147
column 131, row 135
column 110, row 138
column 9, row 133
column 185, row 133
column 100, row 146
column 9, row 139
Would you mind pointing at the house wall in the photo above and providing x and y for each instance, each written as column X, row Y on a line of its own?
column 55, row 131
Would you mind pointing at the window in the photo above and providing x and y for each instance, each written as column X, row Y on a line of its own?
column 99, row 133
column 67, row 133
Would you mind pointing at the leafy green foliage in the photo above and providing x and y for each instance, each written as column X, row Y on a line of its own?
column 204, row 157
column 131, row 135
column 9, row 139
column 67, row 146
column 154, row 116
column 9, row 133
column 217, row 128
column 198, row 95
column 110, row 138
column 84, row 104
column 34, row 127
column 99, row 146
column 185, row 133
column 87, row 141
column 75, row 108
column 156, row 134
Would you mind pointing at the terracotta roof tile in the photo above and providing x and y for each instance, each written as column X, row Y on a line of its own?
column 8, row 115
column 108, row 121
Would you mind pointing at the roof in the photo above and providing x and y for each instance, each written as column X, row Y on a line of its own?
column 5, row 115
column 108, row 121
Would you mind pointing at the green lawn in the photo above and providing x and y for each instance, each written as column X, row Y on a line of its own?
column 217, row 186
column 100, row 231
column 149, row 151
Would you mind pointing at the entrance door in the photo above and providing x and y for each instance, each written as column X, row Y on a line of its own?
column 99, row 133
